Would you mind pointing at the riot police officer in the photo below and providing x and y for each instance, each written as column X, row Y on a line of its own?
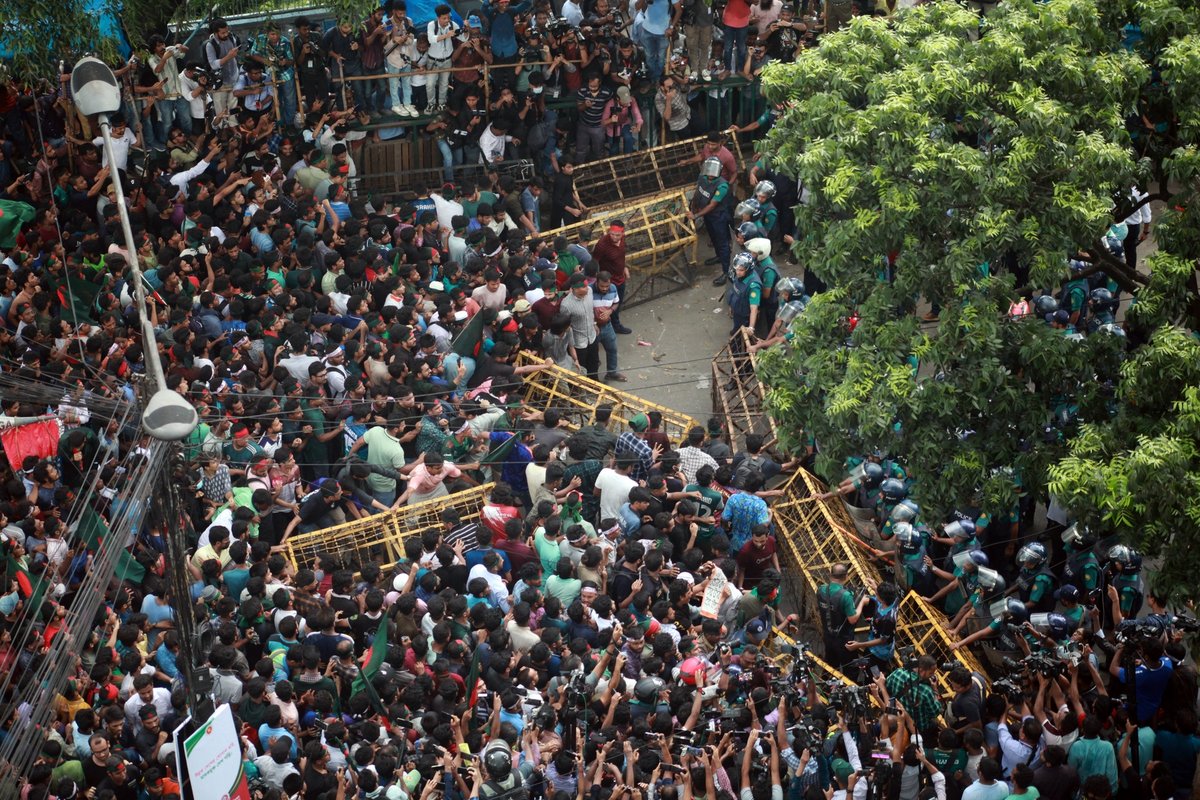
column 711, row 203
column 1035, row 582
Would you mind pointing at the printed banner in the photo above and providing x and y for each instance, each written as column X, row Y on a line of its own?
column 214, row 759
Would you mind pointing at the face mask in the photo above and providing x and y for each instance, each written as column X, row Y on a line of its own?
column 535, row 89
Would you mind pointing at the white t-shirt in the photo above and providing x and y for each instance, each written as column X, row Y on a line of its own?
column 614, row 491
column 186, row 87
column 120, row 146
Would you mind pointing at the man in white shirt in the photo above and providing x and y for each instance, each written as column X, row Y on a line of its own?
column 612, row 486
column 122, row 140
column 1138, row 224
column 175, row 108
column 180, row 180
column 492, row 143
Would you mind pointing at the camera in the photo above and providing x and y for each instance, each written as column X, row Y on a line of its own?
column 530, row 53
column 1009, row 688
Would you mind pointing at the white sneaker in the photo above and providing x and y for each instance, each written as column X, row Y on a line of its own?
column 410, row 110
column 399, row 111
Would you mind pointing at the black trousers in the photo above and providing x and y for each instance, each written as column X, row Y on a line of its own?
column 589, row 358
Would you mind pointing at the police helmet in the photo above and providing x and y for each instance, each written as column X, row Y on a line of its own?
column 790, row 287
column 1058, row 626
column 1079, row 536
column 765, row 189
column 748, row 230
column 1120, row 555
column 789, row 311
column 744, row 261
column 960, row 529
column 711, row 167
column 497, row 760
column 1100, row 298
column 1033, row 553
column 978, row 558
column 748, row 206
column 1046, row 304
column 646, row 690
column 872, row 475
column 1016, row 610
column 905, row 511
column 894, row 490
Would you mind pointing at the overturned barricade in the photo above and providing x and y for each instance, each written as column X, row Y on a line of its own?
column 380, row 537
column 628, row 178
column 814, row 535
column 577, row 397
column 738, row 395
column 660, row 243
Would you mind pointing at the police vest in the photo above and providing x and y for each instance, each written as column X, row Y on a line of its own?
column 740, row 295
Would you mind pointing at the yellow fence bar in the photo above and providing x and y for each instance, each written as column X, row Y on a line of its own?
column 380, row 537
column 814, row 535
column 660, row 241
column 647, row 172
column 577, row 396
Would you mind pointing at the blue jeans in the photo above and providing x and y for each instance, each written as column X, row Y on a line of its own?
column 735, row 48
column 656, row 52
column 625, row 144
column 608, row 340
column 287, row 102
column 451, row 157
column 400, row 87
column 176, row 112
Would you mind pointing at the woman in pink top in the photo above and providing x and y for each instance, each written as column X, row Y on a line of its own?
column 736, row 21
column 622, row 121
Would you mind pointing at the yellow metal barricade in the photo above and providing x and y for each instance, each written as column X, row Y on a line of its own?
column 380, row 537
column 627, row 178
column 814, row 535
column 577, row 396
column 660, row 242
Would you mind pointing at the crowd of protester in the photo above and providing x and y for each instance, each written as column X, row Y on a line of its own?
column 611, row 626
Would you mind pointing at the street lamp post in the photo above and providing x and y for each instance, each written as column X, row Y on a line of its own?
column 167, row 416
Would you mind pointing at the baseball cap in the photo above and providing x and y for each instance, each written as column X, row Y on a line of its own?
column 623, row 94
column 521, row 306
column 756, row 631
column 639, row 422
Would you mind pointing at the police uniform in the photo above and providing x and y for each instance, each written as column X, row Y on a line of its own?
column 714, row 190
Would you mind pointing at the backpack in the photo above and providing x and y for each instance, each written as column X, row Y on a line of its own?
column 833, row 617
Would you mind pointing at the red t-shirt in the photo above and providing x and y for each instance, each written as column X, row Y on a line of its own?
column 754, row 561
column 737, row 14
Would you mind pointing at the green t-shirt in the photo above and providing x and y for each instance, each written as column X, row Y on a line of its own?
column 710, row 502
column 548, row 551
column 1029, row 794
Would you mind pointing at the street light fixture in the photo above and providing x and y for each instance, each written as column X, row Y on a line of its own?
column 167, row 416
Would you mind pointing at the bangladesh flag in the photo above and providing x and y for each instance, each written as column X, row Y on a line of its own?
column 372, row 662
column 466, row 344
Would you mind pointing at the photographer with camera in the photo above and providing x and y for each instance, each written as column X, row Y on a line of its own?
column 311, row 66
column 911, row 685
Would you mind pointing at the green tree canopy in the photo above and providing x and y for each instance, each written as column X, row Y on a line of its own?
column 976, row 166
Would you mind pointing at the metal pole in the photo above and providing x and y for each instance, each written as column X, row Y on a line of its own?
column 149, row 345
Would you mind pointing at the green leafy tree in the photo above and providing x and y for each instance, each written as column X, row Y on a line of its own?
column 41, row 33
column 963, row 169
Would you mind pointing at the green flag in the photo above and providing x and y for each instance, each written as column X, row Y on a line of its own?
column 466, row 344
column 92, row 530
column 499, row 453
column 374, row 660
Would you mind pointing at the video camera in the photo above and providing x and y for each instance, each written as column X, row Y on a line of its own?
column 207, row 78
column 853, row 702
column 1037, row 664
column 1134, row 632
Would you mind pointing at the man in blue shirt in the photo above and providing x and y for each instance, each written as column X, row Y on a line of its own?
column 1152, row 676
column 659, row 17
column 502, row 24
